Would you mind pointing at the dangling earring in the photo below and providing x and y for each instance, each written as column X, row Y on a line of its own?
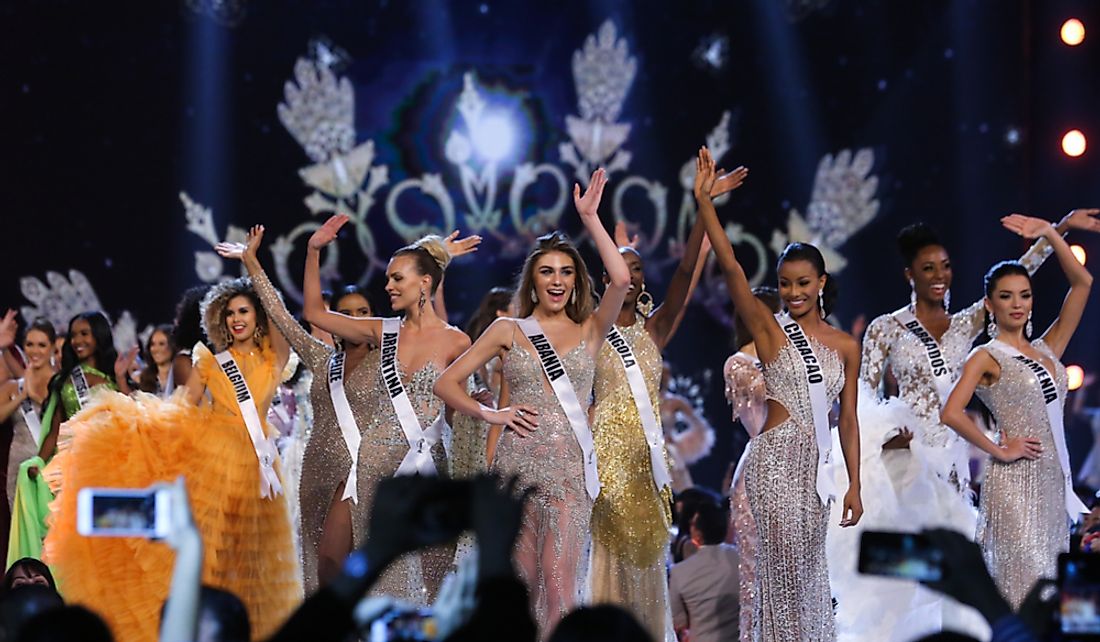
column 573, row 296
column 913, row 294
column 1029, row 329
column 423, row 300
column 644, row 303
column 991, row 326
column 947, row 299
column 534, row 296
column 821, row 302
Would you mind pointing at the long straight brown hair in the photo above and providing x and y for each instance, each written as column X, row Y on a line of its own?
column 577, row 310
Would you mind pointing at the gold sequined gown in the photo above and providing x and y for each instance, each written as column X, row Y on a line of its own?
column 746, row 393
column 630, row 519
column 326, row 461
column 1022, row 523
column 793, row 601
column 551, row 551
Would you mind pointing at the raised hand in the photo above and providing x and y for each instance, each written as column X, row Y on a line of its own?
column 242, row 251
column 589, row 204
column 7, row 330
column 728, row 182
column 1083, row 219
column 705, row 174
column 623, row 238
column 125, row 362
column 327, row 232
column 1019, row 448
column 1028, row 227
column 458, row 247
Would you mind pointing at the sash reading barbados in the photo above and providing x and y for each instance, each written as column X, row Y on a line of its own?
column 1053, row 402
column 270, row 487
column 636, row 379
column 941, row 373
column 567, row 398
column 346, row 420
column 819, row 403
column 419, row 457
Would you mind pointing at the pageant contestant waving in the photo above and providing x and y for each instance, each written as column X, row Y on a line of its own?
column 549, row 362
column 807, row 365
column 226, row 451
column 401, row 434
column 1027, row 498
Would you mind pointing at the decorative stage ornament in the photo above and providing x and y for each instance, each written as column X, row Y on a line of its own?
column 59, row 299
column 841, row 204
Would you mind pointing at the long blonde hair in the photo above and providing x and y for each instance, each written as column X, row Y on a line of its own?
column 578, row 307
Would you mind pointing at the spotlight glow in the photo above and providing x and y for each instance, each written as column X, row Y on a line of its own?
column 494, row 136
column 1073, row 143
column 1078, row 253
column 1073, row 32
column 1076, row 376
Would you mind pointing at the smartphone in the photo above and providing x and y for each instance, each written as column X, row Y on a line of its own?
column 123, row 512
column 400, row 625
column 909, row 556
column 1079, row 601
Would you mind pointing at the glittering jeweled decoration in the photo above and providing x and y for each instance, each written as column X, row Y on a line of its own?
column 59, row 299
column 842, row 203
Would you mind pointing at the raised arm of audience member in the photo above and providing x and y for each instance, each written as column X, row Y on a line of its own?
column 181, row 611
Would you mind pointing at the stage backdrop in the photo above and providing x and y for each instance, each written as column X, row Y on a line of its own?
column 137, row 135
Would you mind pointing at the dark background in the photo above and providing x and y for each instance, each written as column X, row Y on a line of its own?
column 104, row 121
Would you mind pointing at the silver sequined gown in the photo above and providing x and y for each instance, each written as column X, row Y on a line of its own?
column 23, row 445
column 746, row 392
column 325, row 462
column 1022, row 524
column 793, row 601
column 551, row 552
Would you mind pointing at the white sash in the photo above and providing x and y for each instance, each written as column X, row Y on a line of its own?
column 555, row 373
column 819, row 403
column 419, row 458
column 270, row 487
column 1053, row 401
column 30, row 417
column 942, row 377
column 346, row 420
column 654, row 436
column 80, row 384
column 170, row 385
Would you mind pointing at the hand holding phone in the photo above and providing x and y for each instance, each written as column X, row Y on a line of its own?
column 124, row 512
column 908, row 556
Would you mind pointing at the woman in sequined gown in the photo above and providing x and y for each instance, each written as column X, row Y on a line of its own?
column 542, row 447
column 915, row 470
column 426, row 345
column 793, row 600
column 33, row 385
column 326, row 460
column 1025, row 512
column 747, row 394
column 631, row 517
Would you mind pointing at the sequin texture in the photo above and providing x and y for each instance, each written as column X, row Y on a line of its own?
column 1022, row 522
column 793, row 600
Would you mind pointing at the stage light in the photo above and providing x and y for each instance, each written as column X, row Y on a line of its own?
column 1076, row 376
column 1073, row 32
column 494, row 136
column 1078, row 253
column 1073, row 143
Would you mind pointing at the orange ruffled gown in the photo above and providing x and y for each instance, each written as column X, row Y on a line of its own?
column 126, row 442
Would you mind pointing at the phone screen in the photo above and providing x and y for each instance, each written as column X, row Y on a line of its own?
column 1079, row 584
column 110, row 512
column 907, row 556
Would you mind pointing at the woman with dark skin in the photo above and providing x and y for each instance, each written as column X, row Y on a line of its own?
column 785, row 461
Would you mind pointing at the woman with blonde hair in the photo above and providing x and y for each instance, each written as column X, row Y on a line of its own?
column 548, row 356
column 403, row 432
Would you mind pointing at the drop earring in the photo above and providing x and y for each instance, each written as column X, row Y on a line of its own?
column 821, row 302
column 947, row 299
column 573, row 296
column 534, row 296
column 991, row 327
column 423, row 300
column 1030, row 330
column 913, row 294
column 644, row 303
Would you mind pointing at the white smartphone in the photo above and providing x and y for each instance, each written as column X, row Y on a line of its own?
column 123, row 512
